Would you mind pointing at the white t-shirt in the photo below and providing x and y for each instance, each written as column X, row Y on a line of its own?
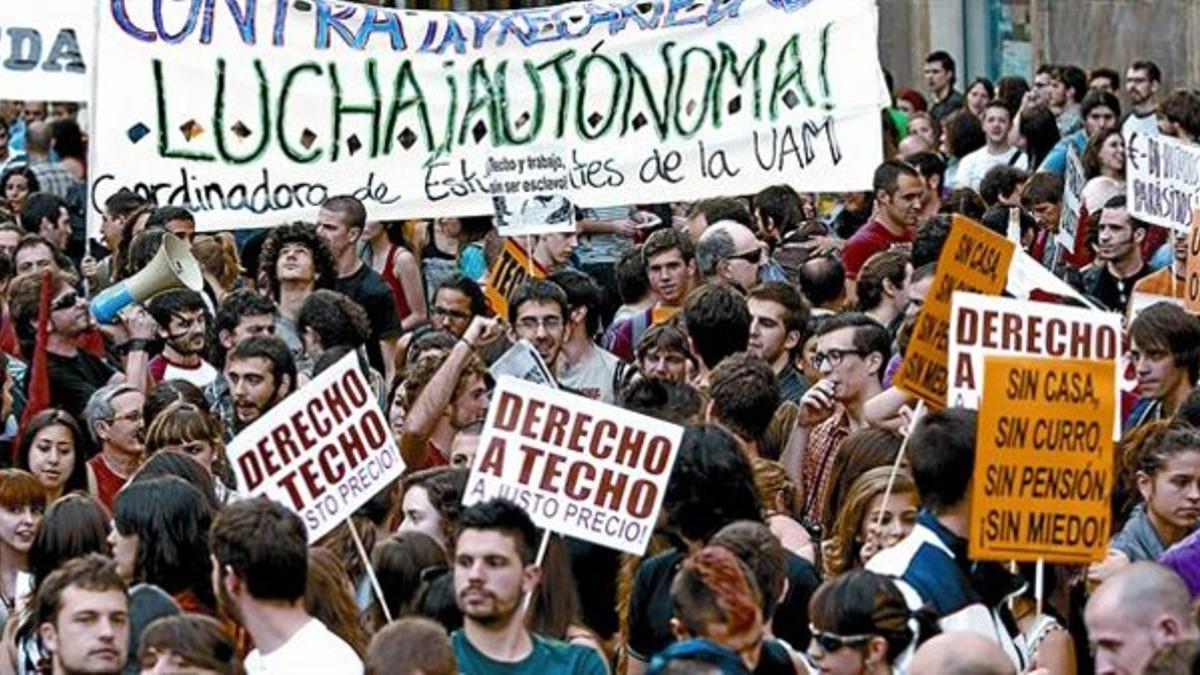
column 593, row 376
column 972, row 168
column 1144, row 125
column 312, row 649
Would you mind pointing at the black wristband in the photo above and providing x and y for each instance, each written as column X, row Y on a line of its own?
column 137, row 345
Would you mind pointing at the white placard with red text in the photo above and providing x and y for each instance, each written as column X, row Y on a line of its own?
column 578, row 467
column 323, row 451
column 986, row 325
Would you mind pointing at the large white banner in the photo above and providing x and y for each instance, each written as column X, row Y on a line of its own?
column 578, row 467
column 252, row 113
column 45, row 49
column 323, row 451
column 1162, row 175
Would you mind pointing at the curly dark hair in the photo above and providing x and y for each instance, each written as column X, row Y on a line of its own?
column 301, row 233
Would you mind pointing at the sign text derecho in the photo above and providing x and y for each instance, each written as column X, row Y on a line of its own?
column 323, row 451
column 579, row 468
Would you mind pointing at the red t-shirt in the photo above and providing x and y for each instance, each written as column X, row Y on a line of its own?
column 108, row 482
column 866, row 242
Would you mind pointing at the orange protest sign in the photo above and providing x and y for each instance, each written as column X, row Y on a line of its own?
column 973, row 259
column 1044, row 460
column 1191, row 295
column 511, row 268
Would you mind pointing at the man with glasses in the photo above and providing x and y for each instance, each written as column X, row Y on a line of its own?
column 538, row 313
column 456, row 301
column 852, row 353
column 183, row 320
column 728, row 252
column 75, row 373
column 1142, row 81
column 114, row 419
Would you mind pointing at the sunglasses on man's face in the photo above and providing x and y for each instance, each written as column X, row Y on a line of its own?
column 65, row 302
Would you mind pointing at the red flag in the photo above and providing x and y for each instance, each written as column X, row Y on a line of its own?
column 39, row 374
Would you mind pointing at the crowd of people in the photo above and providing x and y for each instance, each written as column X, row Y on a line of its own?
column 813, row 521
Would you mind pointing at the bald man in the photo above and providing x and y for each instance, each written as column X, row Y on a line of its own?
column 961, row 653
column 1137, row 611
column 728, row 252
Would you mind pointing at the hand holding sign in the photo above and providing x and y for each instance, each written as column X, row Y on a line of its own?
column 578, row 467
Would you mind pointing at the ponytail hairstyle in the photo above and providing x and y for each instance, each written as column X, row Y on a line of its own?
column 864, row 603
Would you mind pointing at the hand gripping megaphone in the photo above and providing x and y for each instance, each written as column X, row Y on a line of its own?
column 172, row 267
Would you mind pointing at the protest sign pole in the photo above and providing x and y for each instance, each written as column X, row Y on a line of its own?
column 362, row 553
column 1038, row 572
column 887, row 492
column 537, row 562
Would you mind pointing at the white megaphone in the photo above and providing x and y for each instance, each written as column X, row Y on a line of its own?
column 172, row 267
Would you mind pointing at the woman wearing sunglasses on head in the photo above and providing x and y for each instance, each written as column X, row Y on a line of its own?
column 860, row 626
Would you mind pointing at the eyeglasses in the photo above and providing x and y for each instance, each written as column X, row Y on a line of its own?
column 833, row 357
column 65, row 302
column 450, row 313
column 753, row 257
column 831, row 642
column 530, row 324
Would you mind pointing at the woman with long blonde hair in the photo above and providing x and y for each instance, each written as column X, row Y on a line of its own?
column 855, row 536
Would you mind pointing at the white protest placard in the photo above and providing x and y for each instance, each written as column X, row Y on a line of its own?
column 45, row 49
column 523, row 362
column 323, row 451
column 578, row 467
column 1072, row 204
column 1162, row 175
column 986, row 325
column 252, row 113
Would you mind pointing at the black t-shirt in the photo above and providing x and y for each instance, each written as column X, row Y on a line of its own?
column 1113, row 293
column 650, row 609
column 371, row 292
column 74, row 379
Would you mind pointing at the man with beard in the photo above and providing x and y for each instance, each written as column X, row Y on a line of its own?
column 1119, row 263
column 260, row 565
column 75, row 373
column 1142, row 81
column 114, row 418
column 261, row 372
column 494, row 572
column 538, row 313
column 82, row 617
column 182, row 324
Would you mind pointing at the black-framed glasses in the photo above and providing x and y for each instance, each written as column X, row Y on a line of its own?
column 65, row 302
column 831, row 642
column 833, row 357
column 753, row 257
